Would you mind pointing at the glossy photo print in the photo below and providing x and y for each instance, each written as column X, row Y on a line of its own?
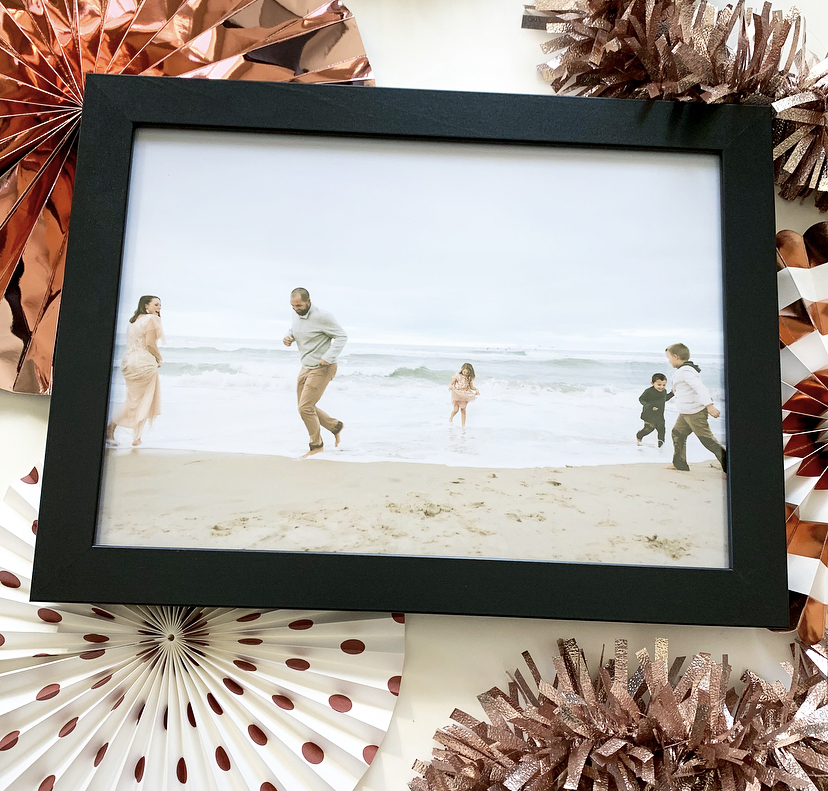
column 454, row 349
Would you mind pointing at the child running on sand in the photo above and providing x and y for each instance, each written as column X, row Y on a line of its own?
column 694, row 405
column 462, row 391
column 652, row 402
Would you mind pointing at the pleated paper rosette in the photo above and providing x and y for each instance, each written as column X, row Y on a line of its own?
column 46, row 49
column 802, row 278
column 102, row 698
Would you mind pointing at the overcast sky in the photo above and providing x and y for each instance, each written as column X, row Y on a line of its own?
column 423, row 243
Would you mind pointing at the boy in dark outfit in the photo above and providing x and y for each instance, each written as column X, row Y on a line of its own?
column 652, row 401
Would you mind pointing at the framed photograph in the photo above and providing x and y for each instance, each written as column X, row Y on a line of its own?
column 352, row 348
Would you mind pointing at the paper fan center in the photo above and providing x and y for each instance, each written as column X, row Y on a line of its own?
column 175, row 633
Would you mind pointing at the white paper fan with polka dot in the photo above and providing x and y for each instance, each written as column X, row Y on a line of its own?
column 126, row 697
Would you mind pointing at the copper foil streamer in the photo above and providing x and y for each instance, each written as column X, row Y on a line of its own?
column 614, row 733
column 690, row 50
column 46, row 49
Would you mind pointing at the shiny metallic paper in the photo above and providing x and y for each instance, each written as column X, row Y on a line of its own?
column 653, row 730
column 803, row 328
column 691, row 51
column 46, row 49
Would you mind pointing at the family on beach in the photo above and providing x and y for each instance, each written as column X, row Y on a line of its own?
column 320, row 340
column 694, row 406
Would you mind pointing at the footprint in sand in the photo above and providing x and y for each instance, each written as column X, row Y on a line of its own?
column 671, row 547
column 221, row 530
column 517, row 516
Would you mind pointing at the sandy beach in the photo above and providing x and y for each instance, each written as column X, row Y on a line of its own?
column 623, row 514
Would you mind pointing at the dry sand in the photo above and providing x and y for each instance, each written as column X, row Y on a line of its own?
column 626, row 514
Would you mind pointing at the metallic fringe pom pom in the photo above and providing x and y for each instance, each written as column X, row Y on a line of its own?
column 658, row 729
column 686, row 50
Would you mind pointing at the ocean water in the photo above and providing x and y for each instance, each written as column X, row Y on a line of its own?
column 538, row 407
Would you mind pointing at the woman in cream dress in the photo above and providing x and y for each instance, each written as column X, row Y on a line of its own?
column 140, row 369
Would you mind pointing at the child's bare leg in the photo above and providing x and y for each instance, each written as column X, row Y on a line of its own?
column 463, row 416
column 454, row 412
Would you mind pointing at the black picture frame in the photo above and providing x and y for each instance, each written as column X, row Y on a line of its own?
column 71, row 567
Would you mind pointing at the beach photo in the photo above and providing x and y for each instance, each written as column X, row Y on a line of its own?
column 419, row 348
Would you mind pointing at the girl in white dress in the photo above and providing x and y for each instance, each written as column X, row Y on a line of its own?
column 140, row 369
column 462, row 391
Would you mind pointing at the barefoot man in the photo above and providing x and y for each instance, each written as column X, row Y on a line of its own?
column 320, row 340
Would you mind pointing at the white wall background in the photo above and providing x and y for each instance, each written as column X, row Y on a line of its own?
column 468, row 45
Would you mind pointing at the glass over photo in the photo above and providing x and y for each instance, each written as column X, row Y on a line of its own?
column 419, row 348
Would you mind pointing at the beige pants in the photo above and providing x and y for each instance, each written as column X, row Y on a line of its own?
column 694, row 424
column 309, row 389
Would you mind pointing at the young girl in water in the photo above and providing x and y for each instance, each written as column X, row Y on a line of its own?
column 462, row 391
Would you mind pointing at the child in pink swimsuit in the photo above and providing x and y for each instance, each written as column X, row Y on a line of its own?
column 462, row 391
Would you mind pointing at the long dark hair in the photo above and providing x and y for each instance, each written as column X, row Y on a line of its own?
column 142, row 306
column 467, row 367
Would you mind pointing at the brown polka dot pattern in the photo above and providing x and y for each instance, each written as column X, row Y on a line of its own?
column 233, row 686
column 214, row 704
column 394, row 685
column 9, row 580
column 68, row 728
column 92, row 654
column 32, row 477
column 9, row 740
column 312, row 753
column 48, row 692
column 79, row 684
column 139, row 769
column 399, row 617
column 352, row 646
column 181, row 770
column 340, row 703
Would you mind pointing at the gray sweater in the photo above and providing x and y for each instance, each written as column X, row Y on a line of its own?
column 319, row 336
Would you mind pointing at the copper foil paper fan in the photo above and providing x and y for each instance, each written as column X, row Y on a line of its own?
column 115, row 697
column 802, row 277
column 46, row 49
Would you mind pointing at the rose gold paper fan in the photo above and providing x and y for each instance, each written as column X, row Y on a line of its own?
column 46, row 49
column 803, row 332
column 104, row 698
